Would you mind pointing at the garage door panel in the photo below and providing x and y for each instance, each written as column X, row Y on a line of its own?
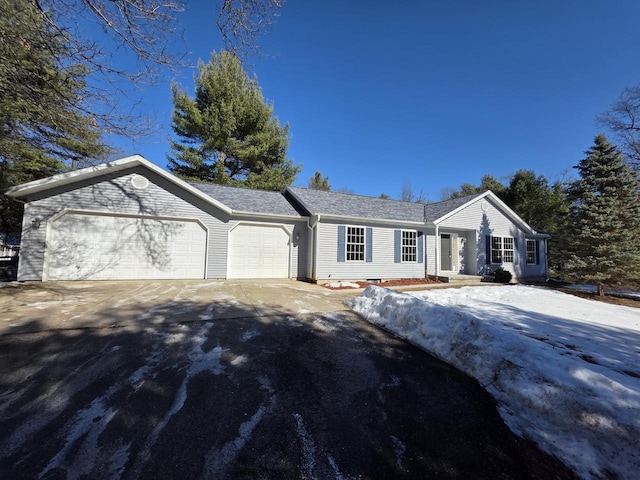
column 104, row 247
column 258, row 251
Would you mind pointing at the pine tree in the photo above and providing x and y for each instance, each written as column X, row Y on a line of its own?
column 604, row 219
column 539, row 204
column 227, row 133
column 318, row 182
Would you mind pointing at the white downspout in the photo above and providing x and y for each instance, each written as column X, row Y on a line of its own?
column 437, row 259
column 313, row 230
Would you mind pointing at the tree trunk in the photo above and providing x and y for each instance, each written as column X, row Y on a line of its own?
column 600, row 290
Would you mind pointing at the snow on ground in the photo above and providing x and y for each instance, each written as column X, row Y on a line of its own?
column 342, row 285
column 594, row 289
column 565, row 371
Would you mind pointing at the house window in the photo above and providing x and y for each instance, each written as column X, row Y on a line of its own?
column 507, row 249
column 409, row 245
column 531, row 253
column 502, row 249
column 355, row 244
column 496, row 249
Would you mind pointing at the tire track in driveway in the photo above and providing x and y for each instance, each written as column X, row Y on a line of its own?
column 217, row 461
column 89, row 423
column 199, row 361
column 53, row 402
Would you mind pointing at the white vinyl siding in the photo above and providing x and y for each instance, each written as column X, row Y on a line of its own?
column 487, row 223
column 431, row 253
column 330, row 265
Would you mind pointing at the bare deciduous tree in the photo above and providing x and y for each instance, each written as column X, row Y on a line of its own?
column 408, row 194
column 623, row 120
column 138, row 43
column 241, row 22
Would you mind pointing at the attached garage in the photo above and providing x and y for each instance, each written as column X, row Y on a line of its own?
column 129, row 219
column 105, row 246
column 259, row 251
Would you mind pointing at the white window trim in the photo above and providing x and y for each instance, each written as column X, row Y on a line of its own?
column 503, row 250
column 506, row 250
column 527, row 252
column 346, row 244
column 414, row 246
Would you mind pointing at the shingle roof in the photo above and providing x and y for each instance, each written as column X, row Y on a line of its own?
column 437, row 210
column 246, row 200
column 344, row 204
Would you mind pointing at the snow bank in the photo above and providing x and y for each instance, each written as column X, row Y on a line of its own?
column 341, row 284
column 565, row 371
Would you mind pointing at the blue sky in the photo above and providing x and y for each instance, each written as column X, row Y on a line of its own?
column 431, row 94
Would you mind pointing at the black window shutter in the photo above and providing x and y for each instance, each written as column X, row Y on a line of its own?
column 487, row 241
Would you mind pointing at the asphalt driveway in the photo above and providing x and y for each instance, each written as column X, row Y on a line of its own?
column 233, row 380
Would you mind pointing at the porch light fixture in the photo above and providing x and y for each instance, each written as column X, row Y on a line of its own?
column 35, row 223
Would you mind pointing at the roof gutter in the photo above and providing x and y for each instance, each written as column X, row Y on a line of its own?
column 271, row 216
column 381, row 221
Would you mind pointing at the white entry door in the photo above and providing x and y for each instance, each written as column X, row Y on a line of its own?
column 90, row 246
column 258, row 251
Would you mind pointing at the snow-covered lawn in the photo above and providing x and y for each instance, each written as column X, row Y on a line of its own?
column 565, row 371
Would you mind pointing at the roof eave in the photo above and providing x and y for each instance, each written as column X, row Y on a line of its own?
column 269, row 216
column 380, row 221
column 66, row 178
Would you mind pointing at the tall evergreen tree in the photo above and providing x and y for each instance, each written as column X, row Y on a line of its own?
column 539, row 204
column 227, row 133
column 487, row 182
column 43, row 128
column 604, row 220
column 318, row 182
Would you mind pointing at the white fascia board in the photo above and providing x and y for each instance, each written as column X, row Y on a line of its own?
column 268, row 216
column 67, row 178
column 373, row 221
column 501, row 205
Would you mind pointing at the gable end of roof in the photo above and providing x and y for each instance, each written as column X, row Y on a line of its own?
column 69, row 178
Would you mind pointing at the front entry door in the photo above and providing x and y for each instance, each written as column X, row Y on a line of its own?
column 445, row 252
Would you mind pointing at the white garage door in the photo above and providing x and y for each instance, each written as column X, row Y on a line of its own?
column 258, row 251
column 83, row 246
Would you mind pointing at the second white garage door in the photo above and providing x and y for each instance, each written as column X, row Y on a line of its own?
column 258, row 251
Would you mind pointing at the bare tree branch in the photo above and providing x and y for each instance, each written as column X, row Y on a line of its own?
column 408, row 194
column 241, row 22
column 144, row 31
column 623, row 120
